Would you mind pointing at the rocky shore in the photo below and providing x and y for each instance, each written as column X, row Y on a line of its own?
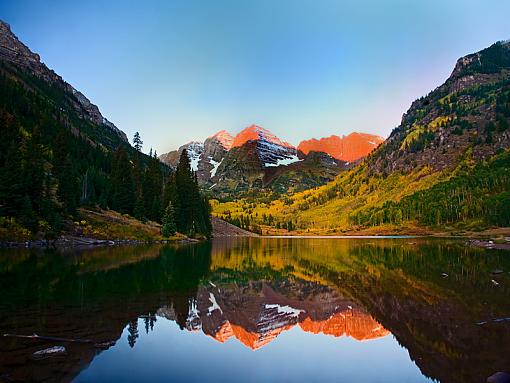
column 490, row 244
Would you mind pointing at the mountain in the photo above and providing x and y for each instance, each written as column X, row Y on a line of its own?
column 445, row 166
column 346, row 148
column 256, row 160
column 57, row 149
column 258, row 313
column 271, row 151
column 17, row 54
column 205, row 157
column 469, row 112
column 58, row 153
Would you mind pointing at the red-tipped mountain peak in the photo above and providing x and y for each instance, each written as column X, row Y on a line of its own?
column 254, row 133
column 225, row 138
column 345, row 148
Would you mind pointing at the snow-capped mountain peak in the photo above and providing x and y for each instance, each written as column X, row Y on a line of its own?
column 256, row 133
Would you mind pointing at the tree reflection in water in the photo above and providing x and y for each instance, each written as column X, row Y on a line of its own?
column 254, row 289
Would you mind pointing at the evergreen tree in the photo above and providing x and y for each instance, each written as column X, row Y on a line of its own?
column 67, row 185
column 137, row 142
column 34, row 160
column 133, row 333
column 139, row 210
column 184, row 187
column 122, row 182
column 153, row 189
column 192, row 210
column 169, row 228
column 11, row 185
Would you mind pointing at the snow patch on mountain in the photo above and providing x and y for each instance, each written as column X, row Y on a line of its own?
column 193, row 321
column 286, row 161
column 270, row 152
column 287, row 310
column 195, row 150
column 214, row 306
column 215, row 165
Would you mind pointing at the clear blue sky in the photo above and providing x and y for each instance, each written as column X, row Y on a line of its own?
column 181, row 70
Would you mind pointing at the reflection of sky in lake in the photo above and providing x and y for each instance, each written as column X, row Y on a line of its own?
column 352, row 288
column 171, row 354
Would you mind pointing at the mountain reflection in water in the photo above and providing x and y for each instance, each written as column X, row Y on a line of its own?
column 253, row 292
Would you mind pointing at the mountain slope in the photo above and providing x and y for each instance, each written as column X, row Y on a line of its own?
column 457, row 138
column 58, row 152
column 18, row 55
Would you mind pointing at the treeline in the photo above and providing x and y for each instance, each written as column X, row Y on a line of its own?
column 48, row 164
column 480, row 194
column 245, row 222
column 53, row 161
column 144, row 192
column 252, row 223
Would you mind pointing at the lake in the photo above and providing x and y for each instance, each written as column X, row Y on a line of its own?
column 258, row 310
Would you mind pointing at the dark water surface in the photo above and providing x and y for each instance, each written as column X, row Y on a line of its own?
column 259, row 310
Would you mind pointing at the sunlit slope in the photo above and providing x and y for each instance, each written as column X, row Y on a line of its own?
column 456, row 137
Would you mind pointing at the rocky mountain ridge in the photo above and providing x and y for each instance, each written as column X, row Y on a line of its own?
column 257, row 314
column 346, row 148
column 13, row 51
column 257, row 159
column 470, row 112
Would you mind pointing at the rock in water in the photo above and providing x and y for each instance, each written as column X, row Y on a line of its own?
column 50, row 352
column 499, row 377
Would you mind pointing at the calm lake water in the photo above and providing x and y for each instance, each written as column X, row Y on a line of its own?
column 259, row 310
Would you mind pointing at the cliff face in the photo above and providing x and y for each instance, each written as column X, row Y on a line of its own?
column 347, row 148
column 14, row 52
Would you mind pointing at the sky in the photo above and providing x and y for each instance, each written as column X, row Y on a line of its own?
column 178, row 71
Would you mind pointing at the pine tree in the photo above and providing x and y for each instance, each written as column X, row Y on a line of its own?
column 122, row 182
column 169, row 228
column 11, row 185
column 183, row 184
column 137, row 142
column 67, row 185
column 34, row 159
column 153, row 189
column 133, row 333
column 139, row 210
column 192, row 210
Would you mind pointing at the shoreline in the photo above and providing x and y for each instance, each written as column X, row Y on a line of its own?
column 85, row 242
column 499, row 232
column 498, row 238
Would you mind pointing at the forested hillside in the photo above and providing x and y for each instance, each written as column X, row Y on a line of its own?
column 58, row 153
column 445, row 167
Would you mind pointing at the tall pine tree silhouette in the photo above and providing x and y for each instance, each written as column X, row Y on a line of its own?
column 122, row 182
column 191, row 209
